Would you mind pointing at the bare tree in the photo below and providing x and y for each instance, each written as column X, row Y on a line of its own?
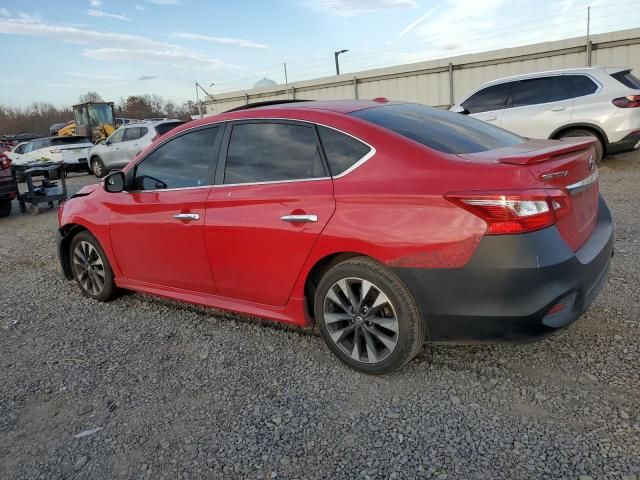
column 90, row 97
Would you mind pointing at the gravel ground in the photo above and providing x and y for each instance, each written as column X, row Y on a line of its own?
column 180, row 392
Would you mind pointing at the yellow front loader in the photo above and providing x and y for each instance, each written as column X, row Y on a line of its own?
column 95, row 120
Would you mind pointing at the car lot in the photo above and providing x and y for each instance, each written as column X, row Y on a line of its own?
column 181, row 392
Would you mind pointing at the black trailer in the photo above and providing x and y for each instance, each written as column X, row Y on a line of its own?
column 52, row 189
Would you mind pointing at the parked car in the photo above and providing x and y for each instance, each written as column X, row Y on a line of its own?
column 386, row 224
column 125, row 143
column 603, row 103
column 56, row 127
column 8, row 186
column 71, row 151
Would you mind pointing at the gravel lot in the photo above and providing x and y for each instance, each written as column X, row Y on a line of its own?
column 180, row 392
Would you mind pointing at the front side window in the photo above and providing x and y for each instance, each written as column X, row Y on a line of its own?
column 441, row 130
column 20, row 149
column 488, row 99
column 116, row 137
column 28, row 147
column 342, row 151
column 180, row 163
column 269, row 152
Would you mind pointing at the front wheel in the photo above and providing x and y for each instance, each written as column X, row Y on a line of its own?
column 91, row 268
column 368, row 317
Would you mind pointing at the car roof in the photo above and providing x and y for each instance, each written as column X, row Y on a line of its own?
column 149, row 123
column 337, row 106
column 564, row 71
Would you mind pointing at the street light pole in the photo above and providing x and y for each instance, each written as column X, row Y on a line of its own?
column 335, row 55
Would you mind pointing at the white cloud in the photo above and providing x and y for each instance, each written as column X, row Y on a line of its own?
column 176, row 58
column 346, row 8
column 95, row 3
column 4, row 12
column 166, row 2
column 147, row 77
column 140, row 7
column 29, row 18
column 228, row 41
column 94, row 76
column 77, row 35
column 99, row 13
column 417, row 22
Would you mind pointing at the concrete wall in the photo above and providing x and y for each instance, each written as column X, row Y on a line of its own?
column 439, row 82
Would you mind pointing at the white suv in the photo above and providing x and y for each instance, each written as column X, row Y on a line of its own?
column 600, row 102
column 125, row 143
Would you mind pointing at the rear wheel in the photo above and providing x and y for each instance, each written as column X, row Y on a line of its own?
column 367, row 317
column 580, row 132
column 97, row 167
column 91, row 268
column 5, row 207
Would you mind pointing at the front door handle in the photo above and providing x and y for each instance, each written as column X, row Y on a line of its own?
column 490, row 119
column 187, row 216
column 558, row 109
column 299, row 218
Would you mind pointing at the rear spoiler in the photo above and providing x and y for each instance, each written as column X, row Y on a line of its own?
column 527, row 157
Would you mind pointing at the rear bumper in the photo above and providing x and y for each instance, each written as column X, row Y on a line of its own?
column 628, row 143
column 508, row 287
column 77, row 165
column 8, row 187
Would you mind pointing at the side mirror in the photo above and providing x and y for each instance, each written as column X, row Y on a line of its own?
column 459, row 109
column 114, row 183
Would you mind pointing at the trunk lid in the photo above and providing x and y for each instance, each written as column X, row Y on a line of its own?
column 569, row 165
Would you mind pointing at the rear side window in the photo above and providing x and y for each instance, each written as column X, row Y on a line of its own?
column 166, row 127
column 627, row 79
column 180, row 163
column 441, row 130
column 536, row 91
column 342, row 151
column 268, row 152
column 134, row 133
column 488, row 99
column 581, row 85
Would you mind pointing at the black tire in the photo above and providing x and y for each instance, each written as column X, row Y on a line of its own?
column 5, row 207
column 85, row 279
column 402, row 314
column 97, row 167
column 580, row 132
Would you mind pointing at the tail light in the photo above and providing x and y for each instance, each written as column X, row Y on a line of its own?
column 5, row 162
column 630, row 101
column 515, row 211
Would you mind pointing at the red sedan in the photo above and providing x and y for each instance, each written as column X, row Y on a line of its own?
column 386, row 224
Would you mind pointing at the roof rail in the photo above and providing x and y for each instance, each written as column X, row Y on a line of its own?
column 263, row 104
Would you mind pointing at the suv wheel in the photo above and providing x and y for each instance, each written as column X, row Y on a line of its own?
column 90, row 267
column 579, row 132
column 367, row 317
column 5, row 207
column 98, row 168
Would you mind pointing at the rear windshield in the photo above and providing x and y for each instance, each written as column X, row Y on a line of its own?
column 67, row 140
column 627, row 79
column 441, row 130
column 165, row 127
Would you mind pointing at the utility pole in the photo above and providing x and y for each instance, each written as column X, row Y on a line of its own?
column 286, row 81
column 335, row 55
column 588, row 36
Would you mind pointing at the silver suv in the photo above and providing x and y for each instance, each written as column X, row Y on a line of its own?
column 125, row 143
column 600, row 102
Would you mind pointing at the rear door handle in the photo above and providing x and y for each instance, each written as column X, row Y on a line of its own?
column 187, row 216
column 558, row 109
column 299, row 218
column 490, row 119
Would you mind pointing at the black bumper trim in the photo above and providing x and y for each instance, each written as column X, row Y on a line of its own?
column 510, row 283
column 627, row 144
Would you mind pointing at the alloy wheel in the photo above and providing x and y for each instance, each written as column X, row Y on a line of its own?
column 89, row 268
column 361, row 320
column 97, row 168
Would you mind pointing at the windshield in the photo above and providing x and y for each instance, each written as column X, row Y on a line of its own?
column 101, row 113
column 80, row 116
column 441, row 130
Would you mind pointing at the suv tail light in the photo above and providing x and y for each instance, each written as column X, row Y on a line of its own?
column 5, row 162
column 630, row 101
column 515, row 211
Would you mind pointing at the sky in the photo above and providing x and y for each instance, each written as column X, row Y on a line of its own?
column 54, row 51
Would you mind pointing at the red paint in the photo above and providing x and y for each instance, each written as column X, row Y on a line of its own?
column 240, row 256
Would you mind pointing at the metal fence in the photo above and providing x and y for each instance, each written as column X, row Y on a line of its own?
column 443, row 82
